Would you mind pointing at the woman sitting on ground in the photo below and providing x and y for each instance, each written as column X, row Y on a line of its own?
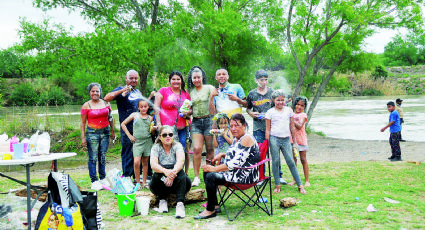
column 167, row 159
column 243, row 152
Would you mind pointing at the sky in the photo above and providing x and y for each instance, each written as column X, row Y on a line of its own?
column 12, row 10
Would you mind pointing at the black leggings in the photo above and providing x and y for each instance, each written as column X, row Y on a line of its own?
column 212, row 180
column 181, row 186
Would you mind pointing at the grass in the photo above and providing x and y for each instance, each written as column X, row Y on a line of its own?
column 329, row 204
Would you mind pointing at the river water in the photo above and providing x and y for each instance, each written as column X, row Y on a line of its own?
column 358, row 118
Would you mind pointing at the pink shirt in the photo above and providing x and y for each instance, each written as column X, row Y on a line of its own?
column 169, row 104
column 97, row 118
column 300, row 134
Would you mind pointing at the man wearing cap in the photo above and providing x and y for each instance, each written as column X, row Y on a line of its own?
column 400, row 113
column 259, row 100
column 229, row 98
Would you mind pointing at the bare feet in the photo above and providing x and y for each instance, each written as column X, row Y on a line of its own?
column 301, row 189
column 307, row 184
column 292, row 183
column 276, row 189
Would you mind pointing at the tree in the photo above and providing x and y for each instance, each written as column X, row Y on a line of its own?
column 336, row 29
column 228, row 34
column 148, row 21
column 406, row 50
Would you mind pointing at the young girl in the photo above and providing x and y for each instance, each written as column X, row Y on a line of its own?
column 300, row 118
column 279, row 127
column 141, row 139
column 222, row 140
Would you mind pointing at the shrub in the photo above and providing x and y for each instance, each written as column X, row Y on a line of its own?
column 54, row 96
column 372, row 92
column 380, row 71
column 24, row 94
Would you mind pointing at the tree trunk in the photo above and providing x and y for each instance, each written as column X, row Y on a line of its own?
column 322, row 87
column 143, row 77
column 155, row 14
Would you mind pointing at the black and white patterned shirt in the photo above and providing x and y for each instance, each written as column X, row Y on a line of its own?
column 240, row 156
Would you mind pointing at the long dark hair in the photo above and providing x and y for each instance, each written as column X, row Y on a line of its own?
column 300, row 98
column 196, row 69
column 181, row 78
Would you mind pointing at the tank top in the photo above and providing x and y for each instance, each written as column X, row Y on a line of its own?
column 141, row 127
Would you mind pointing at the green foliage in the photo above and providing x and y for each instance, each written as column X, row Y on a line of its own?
column 24, row 94
column 53, row 96
column 372, row 92
column 380, row 71
column 406, row 50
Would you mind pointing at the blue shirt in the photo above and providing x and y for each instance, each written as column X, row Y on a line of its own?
column 394, row 116
column 127, row 105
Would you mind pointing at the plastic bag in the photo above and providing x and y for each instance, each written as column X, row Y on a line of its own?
column 33, row 143
column 113, row 176
column 4, row 143
column 43, row 143
column 185, row 106
column 123, row 186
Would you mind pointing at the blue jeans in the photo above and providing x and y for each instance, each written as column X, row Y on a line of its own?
column 97, row 146
column 182, row 137
column 260, row 136
column 127, row 160
column 278, row 144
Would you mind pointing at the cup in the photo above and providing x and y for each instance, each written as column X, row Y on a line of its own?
column 18, row 151
column 26, row 147
column 142, row 203
column 7, row 156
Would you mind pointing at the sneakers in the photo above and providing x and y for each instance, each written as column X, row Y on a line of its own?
column 196, row 182
column 105, row 182
column 282, row 181
column 96, row 185
column 180, row 213
column 163, row 206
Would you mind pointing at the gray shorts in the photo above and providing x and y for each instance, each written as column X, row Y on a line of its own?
column 201, row 126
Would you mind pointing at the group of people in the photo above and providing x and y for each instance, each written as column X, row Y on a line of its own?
column 214, row 119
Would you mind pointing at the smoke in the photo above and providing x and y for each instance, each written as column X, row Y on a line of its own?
column 278, row 81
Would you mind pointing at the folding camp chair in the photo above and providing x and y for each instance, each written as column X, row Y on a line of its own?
column 255, row 198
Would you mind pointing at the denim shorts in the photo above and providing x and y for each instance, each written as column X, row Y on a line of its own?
column 302, row 148
column 202, row 126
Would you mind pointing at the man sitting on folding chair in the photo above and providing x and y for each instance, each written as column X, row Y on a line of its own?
column 244, row 153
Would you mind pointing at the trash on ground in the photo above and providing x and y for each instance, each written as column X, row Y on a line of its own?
column 370, row 208
column 389, row 200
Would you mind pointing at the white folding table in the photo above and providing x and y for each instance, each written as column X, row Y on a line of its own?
column 27, row 163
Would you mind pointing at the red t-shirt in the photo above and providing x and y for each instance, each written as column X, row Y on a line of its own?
column 170, row 102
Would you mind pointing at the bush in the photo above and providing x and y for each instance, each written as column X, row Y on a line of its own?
column 24, row 94
column 54, row 96
column 372, row 92
column 380, row 71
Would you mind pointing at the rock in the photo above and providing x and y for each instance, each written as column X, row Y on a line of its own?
column 192, row 196
column 288, row 202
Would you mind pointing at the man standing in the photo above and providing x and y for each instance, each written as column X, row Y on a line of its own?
column 259, row 100
column 395, row 129
column 400, row 113
column 229, row 98
column 127, row 98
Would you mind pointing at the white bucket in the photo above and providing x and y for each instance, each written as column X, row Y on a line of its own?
column 142, row 203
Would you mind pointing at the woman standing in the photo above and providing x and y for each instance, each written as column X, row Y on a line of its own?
column 97, row 114
column 169, row 100
column 167, row 159
column 203, row 108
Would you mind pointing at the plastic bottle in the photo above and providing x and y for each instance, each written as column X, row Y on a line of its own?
column 33, row 144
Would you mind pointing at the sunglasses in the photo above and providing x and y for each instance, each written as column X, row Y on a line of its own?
column 164, row 135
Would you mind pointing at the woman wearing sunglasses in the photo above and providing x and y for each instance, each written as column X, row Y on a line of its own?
column 167, row 159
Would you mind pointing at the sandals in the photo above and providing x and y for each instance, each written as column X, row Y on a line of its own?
column 301, row 189
column 145, row 186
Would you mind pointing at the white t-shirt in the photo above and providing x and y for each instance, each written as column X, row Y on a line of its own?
column 280, row 121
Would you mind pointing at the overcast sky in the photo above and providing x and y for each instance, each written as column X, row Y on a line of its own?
column 12, row 10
